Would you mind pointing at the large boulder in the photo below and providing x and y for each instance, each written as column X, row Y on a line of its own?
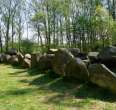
column 6, row 58
column 74, row 51
column 52, row 51
column 20, row 58
column 2, row 57
column 35, row 57
column 93, row 56
column 77, row 68
column 45, row 62
column 61, row 59
column 26, row 63
column 28, row 56
column 14, row 60
column 102, row 76
column 82, row 56
column 38, row 56
column 12, row 51
column 108, row 55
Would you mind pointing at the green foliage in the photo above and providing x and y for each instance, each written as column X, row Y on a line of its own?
column 38, row 17
column 27, row 46
column 57, row 23
column 113, row 32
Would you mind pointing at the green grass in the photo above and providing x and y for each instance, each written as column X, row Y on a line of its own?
column 22, row 89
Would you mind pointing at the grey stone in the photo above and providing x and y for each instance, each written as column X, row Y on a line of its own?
column 77, row 68
column 102, row 76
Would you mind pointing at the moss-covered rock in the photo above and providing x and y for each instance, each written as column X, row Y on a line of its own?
column 61, row 59
column 102, row 76
column 77, row 68
column 45, row 62
column 108, row 54
column 14, row 60
column 26, row 63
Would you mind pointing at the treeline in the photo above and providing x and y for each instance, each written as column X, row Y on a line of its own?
column 87, row 24
column 11, row 23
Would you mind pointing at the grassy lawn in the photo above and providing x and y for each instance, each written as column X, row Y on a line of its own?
column 21, row 89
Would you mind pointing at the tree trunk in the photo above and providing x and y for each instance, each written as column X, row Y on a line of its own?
column 48, row 19
column 7, row 34
column 61, row 32
column 113, row 9
column 1, row 40
column 12, row 32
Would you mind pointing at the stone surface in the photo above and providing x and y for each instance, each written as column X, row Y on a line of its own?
column 52, row 51
column 28, row 56
column 102, row 76
column 14, row 60
column 12, row 51
column 77, row 68
column 108, row 54
column 82, row 56
column 45, row 62
column 61, row 58
column 6, row 58
column 34, row 60
column 26, row 63
column 74, row 51
column 2, row 55
column 93, row 56
column 20, row 58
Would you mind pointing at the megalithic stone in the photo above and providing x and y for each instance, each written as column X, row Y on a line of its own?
column 103, row 77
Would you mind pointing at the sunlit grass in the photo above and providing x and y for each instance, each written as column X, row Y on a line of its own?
column 22, row 89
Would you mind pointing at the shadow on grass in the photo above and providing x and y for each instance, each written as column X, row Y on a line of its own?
column 17, row 92
column 31, row 72
column 67, row 87
column 15, row 67
column 72, row 88
column 18, row 73
column 65, row 100
column 85, row 93
column 34, row 71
